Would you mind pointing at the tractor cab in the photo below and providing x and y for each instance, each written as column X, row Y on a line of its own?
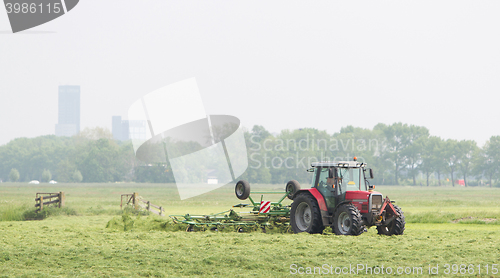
column 334, row 179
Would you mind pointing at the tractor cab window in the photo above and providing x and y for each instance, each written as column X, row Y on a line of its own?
column 327, row 190
column 350, row 178
column 314, row 176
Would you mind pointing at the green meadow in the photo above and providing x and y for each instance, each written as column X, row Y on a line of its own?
column 453, row 232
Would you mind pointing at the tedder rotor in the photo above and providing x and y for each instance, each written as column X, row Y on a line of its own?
column 262, row 214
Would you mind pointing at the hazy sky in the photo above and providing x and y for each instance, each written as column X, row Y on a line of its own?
column 280, row 64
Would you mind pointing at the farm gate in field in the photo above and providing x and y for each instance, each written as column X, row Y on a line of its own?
column 137, row 201
column 45, row 199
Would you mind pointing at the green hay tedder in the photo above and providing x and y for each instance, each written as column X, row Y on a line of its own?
column 263, row 215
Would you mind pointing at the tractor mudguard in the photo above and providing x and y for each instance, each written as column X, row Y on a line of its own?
column 388, row 205
column 341, row 203
column 315, row 193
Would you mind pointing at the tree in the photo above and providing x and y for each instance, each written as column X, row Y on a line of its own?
column 65, row 171
column 30, row 156
column 439, row 164
column 259, row 133
column 95, row 133
column 256, row 171
column 431, row 156
column 46, row 175
column 414, row 148
column 491, row 158
column 14, row 175
column 398, row 138
column 155, row 173
column 77, row 176
column 452, row 156
column 99, row 161
column 467, row 154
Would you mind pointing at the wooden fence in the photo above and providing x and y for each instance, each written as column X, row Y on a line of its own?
column 137, row 201
column 45, row 199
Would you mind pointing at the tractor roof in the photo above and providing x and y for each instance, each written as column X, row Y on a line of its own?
column 350, row 164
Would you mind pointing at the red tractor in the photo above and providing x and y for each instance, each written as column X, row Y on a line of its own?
column 342, row 197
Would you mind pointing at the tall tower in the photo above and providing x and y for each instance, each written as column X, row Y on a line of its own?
column 117, row 128
column 69, row 111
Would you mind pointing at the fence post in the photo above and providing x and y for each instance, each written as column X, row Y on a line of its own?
column 149, row 206
column 62, row 199
column 136, row 200
column 161, row 211
column 41, row 202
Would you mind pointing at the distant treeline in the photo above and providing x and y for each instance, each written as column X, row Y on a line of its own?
column 398, row 153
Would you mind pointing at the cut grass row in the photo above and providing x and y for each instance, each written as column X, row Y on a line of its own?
column 80, row 246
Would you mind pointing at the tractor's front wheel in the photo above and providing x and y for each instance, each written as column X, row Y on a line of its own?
column 305, row 215
column 348, row 221
column 395, row 227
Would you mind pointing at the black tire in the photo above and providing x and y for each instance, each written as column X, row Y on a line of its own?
column 396, row 227
column 305, row 215
column 294, row 186
column 242, row 189
column 348, row 221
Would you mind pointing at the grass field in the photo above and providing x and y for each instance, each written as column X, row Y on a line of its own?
column 445, row 225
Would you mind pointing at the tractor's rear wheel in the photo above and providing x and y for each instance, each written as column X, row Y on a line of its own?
column 293, row 186
column 305, row 215
column 395, row 227
column 348, row 221
column 242, row 189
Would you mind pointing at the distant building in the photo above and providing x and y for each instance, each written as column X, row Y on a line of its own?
column 118, row 129
column 126, row 130
column 68, row 123
column 137, row 130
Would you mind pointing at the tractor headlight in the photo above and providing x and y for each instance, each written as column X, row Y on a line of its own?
column 375, row 202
